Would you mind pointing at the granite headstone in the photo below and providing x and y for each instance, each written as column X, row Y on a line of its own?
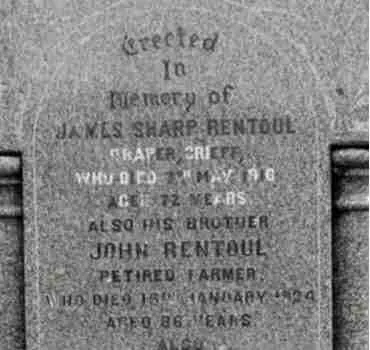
column 177, row 161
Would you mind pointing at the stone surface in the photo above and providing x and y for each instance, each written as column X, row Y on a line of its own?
column 351, row 325
column 12, row 323
column 83, row 81
column 350, row 247
column 12, row 308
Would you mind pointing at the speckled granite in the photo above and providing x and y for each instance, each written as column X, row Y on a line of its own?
column 303, row 61
column 12, row 308
column 350, row 247
column 12, row 326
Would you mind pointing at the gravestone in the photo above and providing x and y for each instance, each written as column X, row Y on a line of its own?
column 177, row 161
